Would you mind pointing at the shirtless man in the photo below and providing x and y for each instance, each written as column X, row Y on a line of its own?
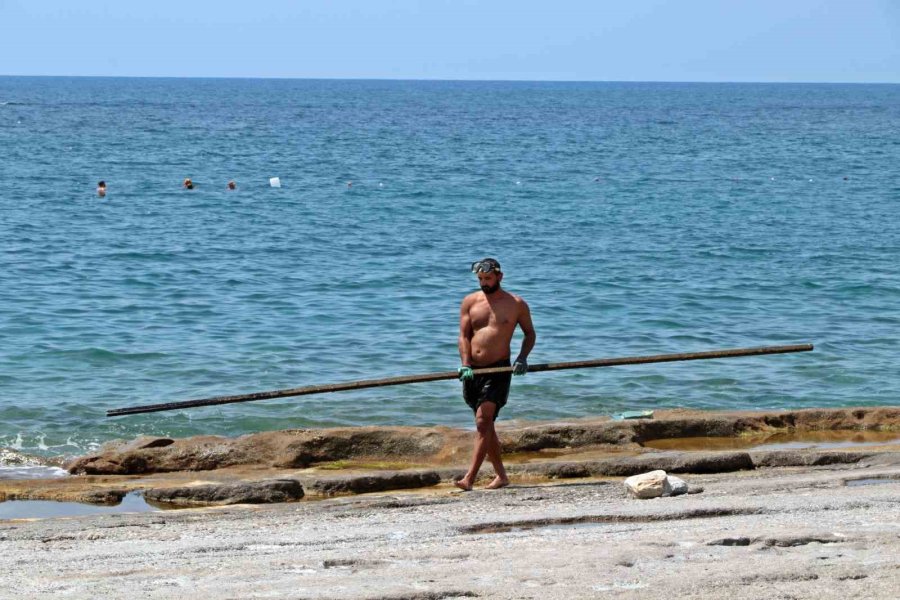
column 487, row 321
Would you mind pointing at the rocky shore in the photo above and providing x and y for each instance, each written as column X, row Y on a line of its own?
column 371, row 513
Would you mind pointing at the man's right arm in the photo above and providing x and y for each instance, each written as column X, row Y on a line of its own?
column 465, row 334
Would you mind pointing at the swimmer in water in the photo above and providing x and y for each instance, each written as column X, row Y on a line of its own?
column 232, row 185
column 188, row 184
column 101, row 189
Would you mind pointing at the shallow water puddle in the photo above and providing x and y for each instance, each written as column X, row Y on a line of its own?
column 870, row 481
column 780, row 441
column 47, row 509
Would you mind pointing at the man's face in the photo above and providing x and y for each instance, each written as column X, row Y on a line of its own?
column 489, row 282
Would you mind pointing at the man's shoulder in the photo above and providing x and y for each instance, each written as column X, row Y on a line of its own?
column 469, row 299
column 517, row 299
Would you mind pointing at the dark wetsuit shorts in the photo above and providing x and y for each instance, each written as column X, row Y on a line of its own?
column 488, row 388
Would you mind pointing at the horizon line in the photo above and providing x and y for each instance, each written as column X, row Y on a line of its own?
column 451, row 80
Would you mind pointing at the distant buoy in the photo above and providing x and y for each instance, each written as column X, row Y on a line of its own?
column 275, row 182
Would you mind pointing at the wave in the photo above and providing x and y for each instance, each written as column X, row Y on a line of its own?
column 32, row 472
column 107, row 356
column 132, row 254
column 16, row 465
column 10, row 458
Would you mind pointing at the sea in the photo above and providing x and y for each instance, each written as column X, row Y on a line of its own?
column 634, row 219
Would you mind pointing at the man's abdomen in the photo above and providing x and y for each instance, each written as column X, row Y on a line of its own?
column 489, row 346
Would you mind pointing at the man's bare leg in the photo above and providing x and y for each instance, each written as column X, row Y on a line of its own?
column 486, row 444
column 493, row 450
column 493, row 454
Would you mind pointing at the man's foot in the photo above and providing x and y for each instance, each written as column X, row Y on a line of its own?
column 463, row 485
column 497, row 483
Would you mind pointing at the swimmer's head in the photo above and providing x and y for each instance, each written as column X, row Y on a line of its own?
column 101, row 184
column 489, row 274
column 188, row 184
column 232, row 185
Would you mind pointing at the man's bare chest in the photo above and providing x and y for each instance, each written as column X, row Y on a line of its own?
column 499, row 315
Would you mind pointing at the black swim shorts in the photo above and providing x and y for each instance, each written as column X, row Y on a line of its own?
column 488, row 388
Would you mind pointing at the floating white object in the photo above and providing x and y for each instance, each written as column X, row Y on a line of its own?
column 275, row 181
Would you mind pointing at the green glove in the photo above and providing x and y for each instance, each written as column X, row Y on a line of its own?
column 520, row 367
column 465, row 373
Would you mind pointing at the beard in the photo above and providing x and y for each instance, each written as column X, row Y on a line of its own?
column 490, row 289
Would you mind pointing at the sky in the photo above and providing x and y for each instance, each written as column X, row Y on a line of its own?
column 565, row 40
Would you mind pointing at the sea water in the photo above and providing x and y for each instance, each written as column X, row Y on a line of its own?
column 634, row 218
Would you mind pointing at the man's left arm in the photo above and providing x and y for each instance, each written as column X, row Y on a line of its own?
column 520, row 367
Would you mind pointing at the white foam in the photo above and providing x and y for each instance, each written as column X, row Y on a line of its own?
column 31, row 472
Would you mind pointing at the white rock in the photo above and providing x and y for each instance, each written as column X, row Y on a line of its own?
column 676, row 485
column 647, row 485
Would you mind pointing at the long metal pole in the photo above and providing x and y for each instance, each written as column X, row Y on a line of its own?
column 370, row 383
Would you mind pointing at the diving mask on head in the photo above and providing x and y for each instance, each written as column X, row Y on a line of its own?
column 485, row 265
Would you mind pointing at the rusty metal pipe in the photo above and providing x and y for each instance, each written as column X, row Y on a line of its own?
column 403, row 380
